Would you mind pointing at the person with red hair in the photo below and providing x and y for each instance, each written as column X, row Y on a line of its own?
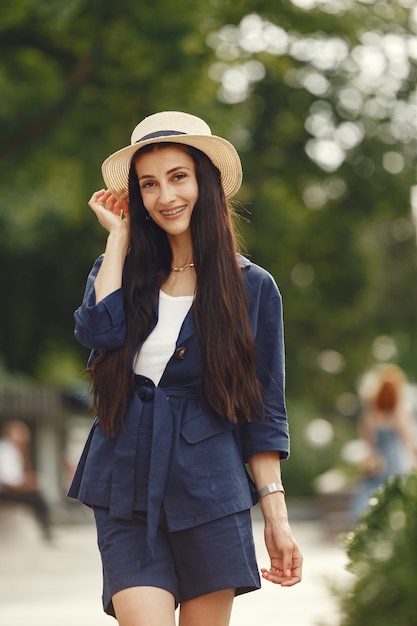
column 386, row 427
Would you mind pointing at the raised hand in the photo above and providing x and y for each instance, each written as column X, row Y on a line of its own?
column 113, row 214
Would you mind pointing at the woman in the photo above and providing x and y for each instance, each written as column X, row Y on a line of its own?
column 386, row 428
column 187, row 374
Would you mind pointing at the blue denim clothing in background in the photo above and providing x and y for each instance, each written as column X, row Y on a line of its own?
column 173, row 450
column 395, row 461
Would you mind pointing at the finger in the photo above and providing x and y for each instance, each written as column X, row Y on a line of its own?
column 280, row 579
column 124, row 206
column 107, row 200
column 287, row 565
column 290, row 582
column 274, row 575
column 285, row 578
column 297, row 573
column 112, row 205
column 98, row 199
column 118, row 207
column 96, row 196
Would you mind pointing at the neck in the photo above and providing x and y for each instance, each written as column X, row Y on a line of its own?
column 182, row 253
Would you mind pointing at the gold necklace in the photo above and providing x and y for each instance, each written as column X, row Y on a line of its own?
column 183, row 268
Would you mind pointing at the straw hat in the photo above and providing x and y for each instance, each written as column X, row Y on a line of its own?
column 174, row 127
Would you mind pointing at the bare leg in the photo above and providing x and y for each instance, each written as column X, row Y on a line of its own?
column 213, row 609
column 144, row 606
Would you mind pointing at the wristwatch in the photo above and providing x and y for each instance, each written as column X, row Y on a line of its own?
column 271, row 488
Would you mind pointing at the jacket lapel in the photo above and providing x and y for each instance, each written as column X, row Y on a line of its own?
column 187, row 328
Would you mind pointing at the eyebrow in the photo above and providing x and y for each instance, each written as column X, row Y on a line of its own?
column 171, row 171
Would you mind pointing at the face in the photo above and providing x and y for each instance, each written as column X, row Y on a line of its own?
column 169, row 188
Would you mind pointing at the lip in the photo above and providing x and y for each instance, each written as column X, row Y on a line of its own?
column 173, row 213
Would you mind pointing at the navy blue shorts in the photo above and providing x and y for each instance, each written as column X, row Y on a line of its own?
column 188, row 563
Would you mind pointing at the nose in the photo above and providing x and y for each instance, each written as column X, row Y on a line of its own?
column 166, row 193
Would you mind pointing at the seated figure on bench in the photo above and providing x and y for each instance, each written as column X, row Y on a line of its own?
column 18, row 481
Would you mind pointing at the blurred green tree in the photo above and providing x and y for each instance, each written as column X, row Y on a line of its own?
column 319, row 98
column 75, row 77
column 329, row 151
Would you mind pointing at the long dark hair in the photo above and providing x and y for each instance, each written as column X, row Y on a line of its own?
column 220, row 308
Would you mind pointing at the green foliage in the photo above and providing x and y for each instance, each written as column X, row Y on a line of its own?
column 382, row 553
column 76, row 77
column 308, row 458
column 332, row 238
column 279, row 81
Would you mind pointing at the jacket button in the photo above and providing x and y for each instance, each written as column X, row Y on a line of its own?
column 180, row 353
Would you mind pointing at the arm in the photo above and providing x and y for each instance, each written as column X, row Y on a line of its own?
column 285, row 556
column 265, row 440
column 113, row 216
column 366, row 425
column 100, row 320
column 405, row 431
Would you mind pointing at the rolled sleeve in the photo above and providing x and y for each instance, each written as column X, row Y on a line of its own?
column 101, row 325
column 264, row 436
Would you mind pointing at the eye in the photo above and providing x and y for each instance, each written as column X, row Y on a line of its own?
column 148, row 184
column 180, row 176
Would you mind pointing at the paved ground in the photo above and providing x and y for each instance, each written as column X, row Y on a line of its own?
column 60, row 584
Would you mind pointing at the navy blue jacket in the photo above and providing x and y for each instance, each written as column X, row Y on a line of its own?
column 173, row 449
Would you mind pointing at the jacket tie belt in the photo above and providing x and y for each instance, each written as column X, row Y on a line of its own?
column 122, row 499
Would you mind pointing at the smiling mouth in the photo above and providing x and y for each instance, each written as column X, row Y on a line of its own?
column 174, row 211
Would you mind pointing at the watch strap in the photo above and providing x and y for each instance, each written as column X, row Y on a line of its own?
column 270, row 488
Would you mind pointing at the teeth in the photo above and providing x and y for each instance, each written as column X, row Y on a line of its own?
column 174, row 211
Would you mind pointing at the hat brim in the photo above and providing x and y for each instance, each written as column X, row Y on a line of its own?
column 223, row 155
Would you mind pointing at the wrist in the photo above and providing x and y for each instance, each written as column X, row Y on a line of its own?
column 270, row 488
column 121, row 234
column 272, row 502
column 118, row 241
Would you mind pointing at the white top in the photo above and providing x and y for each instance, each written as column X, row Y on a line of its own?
column 12, row 472
column 158, row 348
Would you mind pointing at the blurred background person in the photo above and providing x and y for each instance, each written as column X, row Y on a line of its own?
column 387, row 430
column 18, row 481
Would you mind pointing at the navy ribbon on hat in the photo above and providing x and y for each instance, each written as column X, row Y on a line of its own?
column 160, row 133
